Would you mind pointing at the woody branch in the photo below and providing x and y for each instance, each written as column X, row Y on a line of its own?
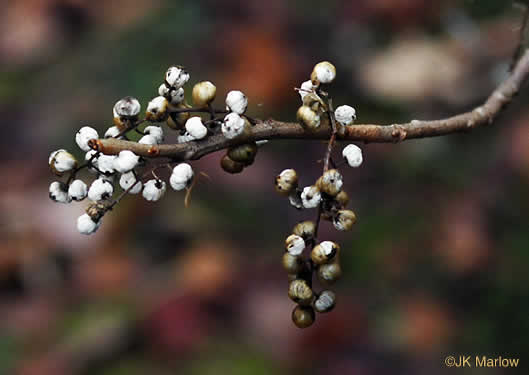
column 369, row 133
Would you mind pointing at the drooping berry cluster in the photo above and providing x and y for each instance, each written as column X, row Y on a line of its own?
column 326, row 195
column 135, row 174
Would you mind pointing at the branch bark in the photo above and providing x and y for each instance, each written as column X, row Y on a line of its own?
column 272, row 129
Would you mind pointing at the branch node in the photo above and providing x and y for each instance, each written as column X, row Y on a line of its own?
column 480, row 111
column 500, row 96
column 96, row 144
column 153, row 151
column 399, row 133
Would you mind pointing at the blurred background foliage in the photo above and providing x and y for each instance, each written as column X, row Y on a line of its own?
column 436, row 265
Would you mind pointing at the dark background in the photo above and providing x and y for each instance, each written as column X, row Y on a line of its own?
column 436, row 265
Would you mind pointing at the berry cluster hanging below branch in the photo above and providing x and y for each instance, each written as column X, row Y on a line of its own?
column 326, row 195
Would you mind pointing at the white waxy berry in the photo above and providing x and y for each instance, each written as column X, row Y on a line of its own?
column 153, row 190
column 295, row 244
column 203, row 93
column 59, row 192
column 100, row 189
column 86, row 225
column 85, row 134
column 112, row 132
column 236, row 102
column 128, row 181
column 176, row 76
column 53, row 154
column 323, row 72
column 77, row 190
column 181, row 177
column 195, row 128
column 61, row 161
column 105, row 163
column 155, row 131
column 128, row 107
column 311, row 196
column 176, row 97
column 164, row 90
column 157, row 109
column 345, row 115
column 325, row 302
column 353, row 154
column 330, row 182
column 126, row 161
column 148, row 139
column 306, row 88
column 233, row 125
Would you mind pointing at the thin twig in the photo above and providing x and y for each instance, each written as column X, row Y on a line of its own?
column 88, row 163
column 207, row 109
column 327, row 158
column 332, row 140
column 521, row 37
column 129, row 128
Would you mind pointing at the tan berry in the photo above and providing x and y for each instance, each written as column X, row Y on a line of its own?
column 330, row 182
column 324, row 252
column 344, row 220
column 330, row 272
column 203, row 93
column 286, row 181
column 303, row 316
column 308, row 118
column 177, row 120
column 300, row 292
column 292, row 264
column 96, row 211
column 305, row 229
column 244, row 153
column 231, row 166
column 342, row 199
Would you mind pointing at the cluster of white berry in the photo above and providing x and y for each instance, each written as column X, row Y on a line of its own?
column 326, row 195
column 169, row 107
